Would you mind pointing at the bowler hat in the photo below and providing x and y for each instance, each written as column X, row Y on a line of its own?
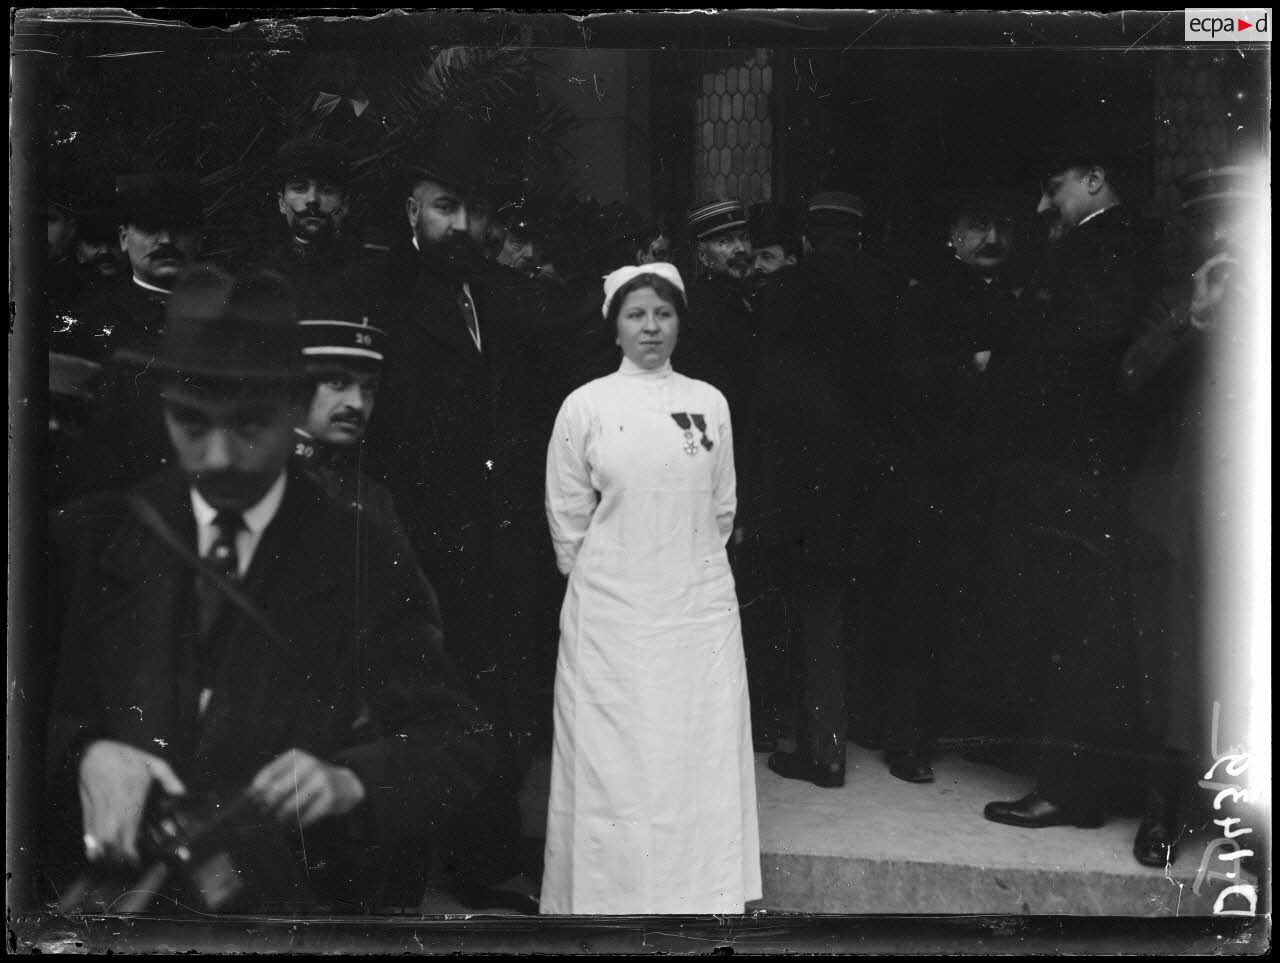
column 713, row 218
column 322, row 159
column 159, row 199
column 228, row 328
column 460, row 154
column 771, row 223
column 1093, row 136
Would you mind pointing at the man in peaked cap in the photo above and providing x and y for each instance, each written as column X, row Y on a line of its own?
column 343, row 361
column 459, row 440
column 313, row 178
column 834, row 222
column 226, row 650
column 1070, row 440
column 719, row 344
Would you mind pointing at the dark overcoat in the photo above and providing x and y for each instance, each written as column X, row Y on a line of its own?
column 361, row 681
column 460, row 439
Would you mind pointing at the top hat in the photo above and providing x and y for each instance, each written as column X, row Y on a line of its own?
column 342, row 341
column 159, row 199
column 713, row 218
column 321, row 159
column 1220, row 186
column 227, row 328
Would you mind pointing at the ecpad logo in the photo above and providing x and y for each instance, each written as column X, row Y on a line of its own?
column 1236, row 25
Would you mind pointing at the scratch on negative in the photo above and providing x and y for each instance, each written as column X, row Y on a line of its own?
column 1144, row 36
column 865, row 32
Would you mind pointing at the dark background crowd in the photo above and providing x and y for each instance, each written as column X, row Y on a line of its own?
column 976, row 471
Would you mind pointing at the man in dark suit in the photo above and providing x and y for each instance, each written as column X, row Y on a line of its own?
column 461, row 442
column 160, row 215
column 1070, row 441
column 222, row 641
column 314, row 181
column 953, row 318
column 159, row 232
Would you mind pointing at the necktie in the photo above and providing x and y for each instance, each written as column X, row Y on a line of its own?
column 468, row 305
column 222, row 558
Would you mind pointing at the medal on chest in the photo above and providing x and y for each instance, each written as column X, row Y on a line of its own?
column 686, row 422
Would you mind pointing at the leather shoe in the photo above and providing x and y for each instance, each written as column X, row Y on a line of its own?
column 909, row 767
column 1033, row 811
column 791, row 765
column 1157, row 841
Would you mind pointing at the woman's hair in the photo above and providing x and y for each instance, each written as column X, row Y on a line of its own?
column 661, row 287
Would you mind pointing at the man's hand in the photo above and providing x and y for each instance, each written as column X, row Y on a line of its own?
column 114, row 781
column 1208, row 288
column 296, row 786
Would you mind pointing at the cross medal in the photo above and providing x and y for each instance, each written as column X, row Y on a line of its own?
column 682, row 419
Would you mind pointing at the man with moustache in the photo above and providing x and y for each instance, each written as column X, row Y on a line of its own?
column 314, row 179
column 344, row 366
column 159, row 232
column 953, row 319
column 228, row 654
column 1070, row 440
column 459, row 440
column 720, row 347
column 98, row 245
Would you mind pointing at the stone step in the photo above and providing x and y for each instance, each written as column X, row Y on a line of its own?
column 880, row 845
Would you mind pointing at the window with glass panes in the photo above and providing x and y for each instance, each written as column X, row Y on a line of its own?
column 733, row 139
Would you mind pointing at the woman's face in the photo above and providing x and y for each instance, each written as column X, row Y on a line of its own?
column 647, row 328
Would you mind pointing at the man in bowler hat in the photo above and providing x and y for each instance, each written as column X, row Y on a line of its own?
column 460, row 440
column 159, row 216
column 220, row 638
column 1070, row 439
column 313, row 178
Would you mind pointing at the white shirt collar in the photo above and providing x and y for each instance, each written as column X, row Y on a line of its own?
column 1085, row 220
column 256, row 519
column 149, row 287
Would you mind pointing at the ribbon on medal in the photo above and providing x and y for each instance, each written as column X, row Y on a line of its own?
column 687, row 422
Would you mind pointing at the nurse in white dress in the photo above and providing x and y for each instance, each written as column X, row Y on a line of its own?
column 653, row 801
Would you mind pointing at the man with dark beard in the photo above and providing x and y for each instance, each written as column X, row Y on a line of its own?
column 459, row 441
column 314, row 193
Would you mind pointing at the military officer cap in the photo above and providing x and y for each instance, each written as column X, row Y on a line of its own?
column 1218, row 186
column 714, row 218
column 310, row 157
column 837, row 204
column 327, row 342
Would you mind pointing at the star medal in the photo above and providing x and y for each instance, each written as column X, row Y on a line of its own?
column 682, row 419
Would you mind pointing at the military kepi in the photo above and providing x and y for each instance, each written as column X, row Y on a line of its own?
column 342, row 341
column 713, row 218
